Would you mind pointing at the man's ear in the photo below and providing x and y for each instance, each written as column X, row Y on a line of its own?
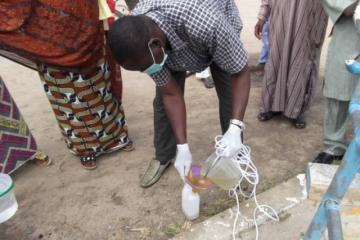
column 155, row 43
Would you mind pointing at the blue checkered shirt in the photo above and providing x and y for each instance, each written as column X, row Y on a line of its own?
column 200, row 32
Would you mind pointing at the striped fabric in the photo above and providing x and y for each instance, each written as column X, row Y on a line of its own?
column 91, row 119
column 17, row 145
column 297, row 31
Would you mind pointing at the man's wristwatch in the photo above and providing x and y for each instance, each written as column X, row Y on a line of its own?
column 238, row 123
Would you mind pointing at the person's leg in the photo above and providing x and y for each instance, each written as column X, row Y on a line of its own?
column 203, row 74
column 223, row 86
column 335, row 124
column 164, row 139
column 206, row 78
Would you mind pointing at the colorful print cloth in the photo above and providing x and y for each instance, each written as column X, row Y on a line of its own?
column 90, row 117
column 17, row 145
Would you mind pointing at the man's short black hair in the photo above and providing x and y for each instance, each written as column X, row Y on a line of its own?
column 128, row 37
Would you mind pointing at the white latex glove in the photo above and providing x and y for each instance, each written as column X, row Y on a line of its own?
column 231, row 141
column 183, row 160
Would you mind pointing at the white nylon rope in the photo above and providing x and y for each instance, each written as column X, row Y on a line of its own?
column 249, row 174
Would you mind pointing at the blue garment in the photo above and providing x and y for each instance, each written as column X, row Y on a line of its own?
column 264, row 53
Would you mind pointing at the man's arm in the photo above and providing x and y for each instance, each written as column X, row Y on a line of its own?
column 174, row 105
column 240, row 92
column 263, row 16
column 264, row 11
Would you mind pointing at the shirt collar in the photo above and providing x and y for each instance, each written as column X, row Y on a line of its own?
column 175, row 41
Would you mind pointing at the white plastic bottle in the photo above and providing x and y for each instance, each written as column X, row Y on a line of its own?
column 190, row 203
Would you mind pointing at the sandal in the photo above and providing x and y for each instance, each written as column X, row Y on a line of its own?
column 88, row 162
column 265, row 116
column 299, row 123
column 41, row 159
column 129, row 147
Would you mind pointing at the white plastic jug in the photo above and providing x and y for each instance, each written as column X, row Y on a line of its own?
column 8, row 203
column 190, row 203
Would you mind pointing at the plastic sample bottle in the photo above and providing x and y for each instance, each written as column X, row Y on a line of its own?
column 190, row 203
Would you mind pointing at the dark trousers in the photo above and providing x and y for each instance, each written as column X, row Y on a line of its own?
column 164, row 139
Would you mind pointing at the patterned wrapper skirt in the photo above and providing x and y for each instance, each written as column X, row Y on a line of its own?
column 90, row 117
column 17, row 145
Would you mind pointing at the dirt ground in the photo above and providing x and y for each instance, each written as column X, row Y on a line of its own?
column 64, row 201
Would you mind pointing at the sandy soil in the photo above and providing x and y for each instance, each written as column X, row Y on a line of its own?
column 64, row 201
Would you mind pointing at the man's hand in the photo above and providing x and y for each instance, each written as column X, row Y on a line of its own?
column 231, row 140
column 258, row 29
column 183, row 160
column 349, row 11
column 357, row 17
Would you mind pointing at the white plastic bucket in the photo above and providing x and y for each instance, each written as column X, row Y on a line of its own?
column 8, row 203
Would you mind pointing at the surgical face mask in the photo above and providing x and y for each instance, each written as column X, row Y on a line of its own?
column 156, row 67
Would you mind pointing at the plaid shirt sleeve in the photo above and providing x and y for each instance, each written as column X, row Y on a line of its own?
column 227, row 49
column 162, row 77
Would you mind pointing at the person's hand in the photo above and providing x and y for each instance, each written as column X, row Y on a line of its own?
column 183, row 160
column 231, row 141
column 258, row 28
column 349, row 11
column 357, row 17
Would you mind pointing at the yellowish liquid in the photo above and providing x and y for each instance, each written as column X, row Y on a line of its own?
column 225, row 184
column 199, row 182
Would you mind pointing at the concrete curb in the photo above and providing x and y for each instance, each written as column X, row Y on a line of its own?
column 282, row 198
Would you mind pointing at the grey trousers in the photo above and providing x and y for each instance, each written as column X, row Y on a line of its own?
column 164, row 139
column 335, row 125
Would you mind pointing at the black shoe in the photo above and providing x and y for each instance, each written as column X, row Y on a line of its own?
column 265, row 116
column 299, row 123
column 326, row 158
